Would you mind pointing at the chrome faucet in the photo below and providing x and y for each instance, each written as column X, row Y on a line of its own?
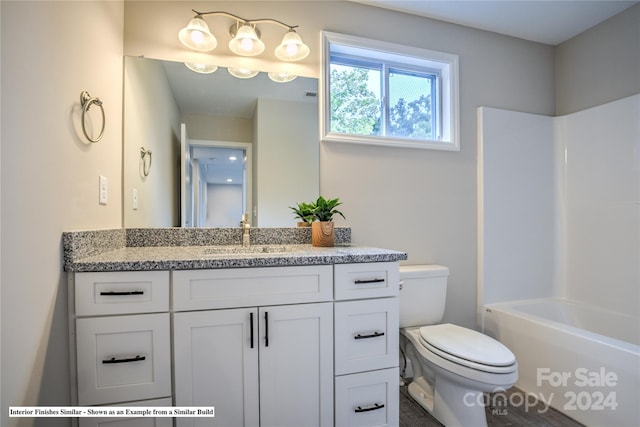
column 246, row 227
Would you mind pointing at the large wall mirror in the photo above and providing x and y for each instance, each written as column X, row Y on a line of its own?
column 220, row 146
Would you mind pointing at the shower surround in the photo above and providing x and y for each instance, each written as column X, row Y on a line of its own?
column 559, row 220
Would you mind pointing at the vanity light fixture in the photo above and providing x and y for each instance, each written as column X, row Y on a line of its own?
column 201, row 68
column 245, row 37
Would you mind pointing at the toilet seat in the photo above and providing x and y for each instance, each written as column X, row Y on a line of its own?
column 468, row 348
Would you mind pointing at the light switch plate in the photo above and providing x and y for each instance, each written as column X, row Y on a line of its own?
column 103, row 190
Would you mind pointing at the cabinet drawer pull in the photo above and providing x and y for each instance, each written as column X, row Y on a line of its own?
column 251, row 327
column 370, row 408
column 118, row 293
column 266, row 329
column 130, row 359
column 366, row 281
column 373, row 335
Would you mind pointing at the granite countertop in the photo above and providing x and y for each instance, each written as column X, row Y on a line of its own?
column 184, row 249
column 201, row 257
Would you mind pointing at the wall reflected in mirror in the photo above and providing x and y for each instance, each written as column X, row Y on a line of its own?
column 277, row 121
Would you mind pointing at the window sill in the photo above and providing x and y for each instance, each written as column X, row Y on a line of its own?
column 392, row 142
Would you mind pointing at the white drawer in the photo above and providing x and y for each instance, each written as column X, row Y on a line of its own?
column 123, row 358
column 121, row 292
column 366, row 280
column 246, row 287
column 366, row 335
column 368, row 399
column 130, row 421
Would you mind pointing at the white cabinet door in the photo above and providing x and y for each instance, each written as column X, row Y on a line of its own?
column 215, row 365
column 296, row 365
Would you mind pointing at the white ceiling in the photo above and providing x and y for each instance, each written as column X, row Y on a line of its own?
column 544, row 21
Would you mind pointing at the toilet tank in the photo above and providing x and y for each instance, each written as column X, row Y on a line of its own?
column 423, row 294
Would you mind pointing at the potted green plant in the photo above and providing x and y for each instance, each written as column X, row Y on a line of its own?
column 323, row 229
column 304, row 212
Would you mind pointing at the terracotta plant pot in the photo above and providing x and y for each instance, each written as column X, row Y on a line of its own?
column 322, row 233
column 304, row 224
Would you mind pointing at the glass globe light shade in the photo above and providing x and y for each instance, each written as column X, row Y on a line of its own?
column 242, row 73
column 246, row 42
column 196, row 36
column 282, row 76
column 201, row 68
column 292, row 48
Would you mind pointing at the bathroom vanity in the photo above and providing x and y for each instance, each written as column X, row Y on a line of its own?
column 271, row 335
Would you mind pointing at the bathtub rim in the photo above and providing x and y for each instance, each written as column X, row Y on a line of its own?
column 508, row 307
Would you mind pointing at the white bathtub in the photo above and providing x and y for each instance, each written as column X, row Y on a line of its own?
column 579, row 359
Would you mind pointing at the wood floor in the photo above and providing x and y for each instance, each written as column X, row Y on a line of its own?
column 413, row 415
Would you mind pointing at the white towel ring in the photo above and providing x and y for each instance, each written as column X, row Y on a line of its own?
column 86, row 101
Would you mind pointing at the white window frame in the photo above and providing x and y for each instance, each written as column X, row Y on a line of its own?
column 445, row 63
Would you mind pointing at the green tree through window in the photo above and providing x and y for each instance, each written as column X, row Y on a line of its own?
column 411, row 120
column 355, row 109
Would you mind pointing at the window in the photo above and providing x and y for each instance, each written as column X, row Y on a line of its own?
column 386, row 94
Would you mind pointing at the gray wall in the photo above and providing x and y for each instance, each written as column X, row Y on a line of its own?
column 600, row 65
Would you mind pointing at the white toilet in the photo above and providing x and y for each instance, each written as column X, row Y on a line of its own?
column 452, row 366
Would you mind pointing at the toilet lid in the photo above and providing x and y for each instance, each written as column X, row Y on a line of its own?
column 467, row 345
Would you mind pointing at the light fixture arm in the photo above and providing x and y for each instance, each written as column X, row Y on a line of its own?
column 246, row 21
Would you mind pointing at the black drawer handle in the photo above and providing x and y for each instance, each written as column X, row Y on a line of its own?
column 118, row 293
column 366, row 281
column 373, row 335
column 370, row 408
column 266, row 329
column 130, row 359
column 251, row 327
